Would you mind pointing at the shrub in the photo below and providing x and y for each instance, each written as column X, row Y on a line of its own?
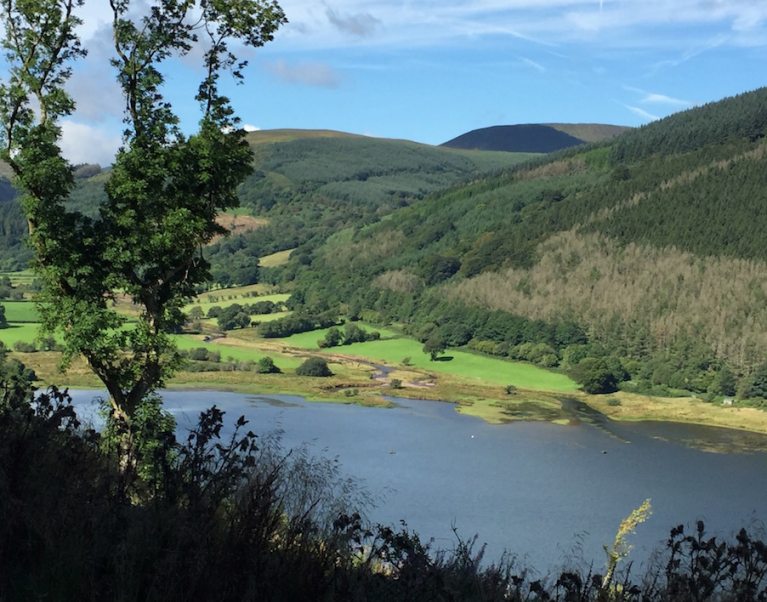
column 332, row 338
column 266, row 365
column 314, row 366
column 215, row 311
column 24, row 347
column 510, row 390
column 395, row 383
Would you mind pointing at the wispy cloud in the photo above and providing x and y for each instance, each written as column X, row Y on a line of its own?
column 647, row 116
column 674, row 24
column 358, row 24
column 314, row 74
column 654, row 98
column 531, row 63
column 692, row 52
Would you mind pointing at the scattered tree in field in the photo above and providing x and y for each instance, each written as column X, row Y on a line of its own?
column 233, row 317
column 266, row 365
column 163, row 193
column 333, row 338
column 434, row 346
column 195, row 314
column 3, row 320
column 314, row 366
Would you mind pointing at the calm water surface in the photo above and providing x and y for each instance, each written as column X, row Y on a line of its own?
column 542, row 491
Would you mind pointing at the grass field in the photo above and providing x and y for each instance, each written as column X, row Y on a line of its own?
column 469, row 366
column 308, row 340
column 225, row 299
column 26, row 332
column 235, row 350
column 275, row 259
column 22, row 277
column 20, row 311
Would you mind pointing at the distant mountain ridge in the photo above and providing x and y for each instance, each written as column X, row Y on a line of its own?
column 306, row 184
column 535, row 137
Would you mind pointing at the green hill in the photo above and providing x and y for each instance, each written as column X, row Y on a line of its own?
column 307, row 185
column 645, row 253
column 534, row 137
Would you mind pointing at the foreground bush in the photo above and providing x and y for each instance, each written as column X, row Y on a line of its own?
column 233, row 517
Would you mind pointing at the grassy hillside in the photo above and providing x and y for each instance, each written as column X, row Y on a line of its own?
column 643, row 254
column 306, row 185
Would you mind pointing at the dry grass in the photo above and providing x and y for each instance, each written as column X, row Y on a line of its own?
column 275, row 259
column 688, row 410
column 239, row 224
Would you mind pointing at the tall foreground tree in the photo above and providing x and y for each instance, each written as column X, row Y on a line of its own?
column 164, row 191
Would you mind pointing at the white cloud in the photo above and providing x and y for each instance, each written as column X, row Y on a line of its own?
column 81, row 143
column 250, row 128
column 642, row 113
column 629, row 23
column 305, row 73
column 655, row 98
column 531, row 63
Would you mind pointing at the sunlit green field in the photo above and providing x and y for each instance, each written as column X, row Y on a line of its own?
column 275, row 259
column 22, row 277
column 25, row 332
column 225, row 298
column 308, row 340
column 470, row 366
column 20, row 311
column 235, row 352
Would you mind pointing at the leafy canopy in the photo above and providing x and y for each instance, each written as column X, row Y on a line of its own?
column 163, row 193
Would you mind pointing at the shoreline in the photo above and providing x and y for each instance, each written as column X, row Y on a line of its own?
column 356, row 382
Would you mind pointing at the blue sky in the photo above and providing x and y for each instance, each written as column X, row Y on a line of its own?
column 429, row 70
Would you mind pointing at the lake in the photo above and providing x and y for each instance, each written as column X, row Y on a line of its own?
column 544, row 492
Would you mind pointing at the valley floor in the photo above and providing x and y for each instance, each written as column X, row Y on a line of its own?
column 361, row 377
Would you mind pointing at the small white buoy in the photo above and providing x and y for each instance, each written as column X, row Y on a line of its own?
column 472, row 436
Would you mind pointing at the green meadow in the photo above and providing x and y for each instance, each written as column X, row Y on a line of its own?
column 275, row 259
column 235, row 352
column 224, row 298
column 20, row 311
column 308, row 340
column 469, row 366
column 25, row 277
column 25, row 332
